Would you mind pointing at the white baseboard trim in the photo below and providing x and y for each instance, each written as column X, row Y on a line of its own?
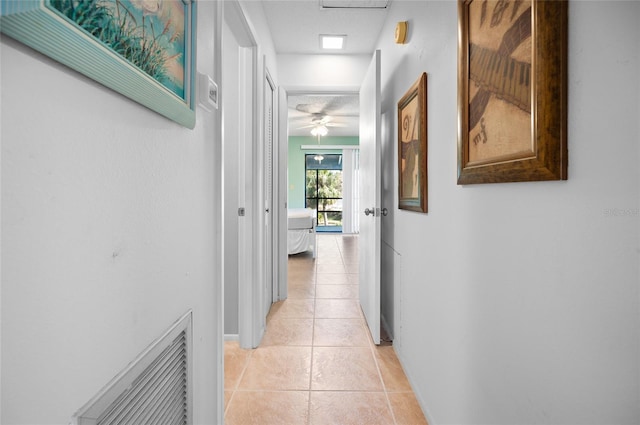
column 231, row 337
column 421, row 402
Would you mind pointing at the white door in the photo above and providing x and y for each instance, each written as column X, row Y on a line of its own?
column 269, row 242
column 280, row 197
column 370, row 197
column 249, row 302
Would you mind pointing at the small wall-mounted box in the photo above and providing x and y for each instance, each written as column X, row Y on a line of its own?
column 207, row 92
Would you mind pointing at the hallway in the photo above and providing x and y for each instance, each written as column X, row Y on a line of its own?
column 316, row 364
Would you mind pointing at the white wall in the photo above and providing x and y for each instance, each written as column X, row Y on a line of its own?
column 257, row 20
column 322, row 72
column 108, row 235
column 518, row 302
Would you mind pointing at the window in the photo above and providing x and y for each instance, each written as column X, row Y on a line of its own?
column 324, row 189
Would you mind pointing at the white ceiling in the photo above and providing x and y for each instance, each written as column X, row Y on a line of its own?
column 296, row 26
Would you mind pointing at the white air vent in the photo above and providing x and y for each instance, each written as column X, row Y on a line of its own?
column 153, row 389
column 354, row 4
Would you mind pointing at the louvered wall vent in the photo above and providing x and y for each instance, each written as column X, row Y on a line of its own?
column 154, row 389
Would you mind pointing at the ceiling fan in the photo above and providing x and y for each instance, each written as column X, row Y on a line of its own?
column 320, row 123
column 321, row 112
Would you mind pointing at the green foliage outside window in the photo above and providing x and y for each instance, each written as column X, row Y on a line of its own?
column 324, row 193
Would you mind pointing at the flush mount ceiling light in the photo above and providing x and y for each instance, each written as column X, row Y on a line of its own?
column 332, row 42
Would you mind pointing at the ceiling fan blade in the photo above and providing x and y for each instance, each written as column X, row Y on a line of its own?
column 309, row 108
column 339, row 115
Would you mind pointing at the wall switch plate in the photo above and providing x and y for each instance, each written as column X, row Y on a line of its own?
column 207, row 92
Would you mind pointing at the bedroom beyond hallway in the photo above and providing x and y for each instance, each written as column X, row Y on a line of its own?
column 317, row 363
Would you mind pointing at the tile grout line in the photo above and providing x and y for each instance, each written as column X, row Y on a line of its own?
column 237, row 385
column 313, row 330
column 333, row 242
column 372, row 346
column 372, row 349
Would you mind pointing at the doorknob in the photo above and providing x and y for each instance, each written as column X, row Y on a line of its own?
column 368, row 211
column 385, row 212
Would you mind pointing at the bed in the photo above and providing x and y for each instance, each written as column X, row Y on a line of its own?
column 301, row 234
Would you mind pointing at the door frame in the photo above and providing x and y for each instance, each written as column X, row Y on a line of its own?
column 251, row 314
column 218, row 263
column 252, row 296
column 283, row 171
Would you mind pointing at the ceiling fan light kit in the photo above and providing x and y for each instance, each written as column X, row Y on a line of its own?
column 319, row 130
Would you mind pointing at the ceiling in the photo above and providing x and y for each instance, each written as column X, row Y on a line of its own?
column 296, row 26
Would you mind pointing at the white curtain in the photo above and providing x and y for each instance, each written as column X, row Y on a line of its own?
column 351, row 190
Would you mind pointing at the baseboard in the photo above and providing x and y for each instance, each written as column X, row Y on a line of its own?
column 421, row 402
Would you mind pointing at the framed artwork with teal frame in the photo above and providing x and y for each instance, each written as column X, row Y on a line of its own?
column 143, row 49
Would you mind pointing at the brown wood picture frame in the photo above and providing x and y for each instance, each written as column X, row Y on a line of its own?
column 412, row 147
column 512, row 90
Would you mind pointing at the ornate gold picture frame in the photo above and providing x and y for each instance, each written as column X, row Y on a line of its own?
column 412, row 147
column 512, row 90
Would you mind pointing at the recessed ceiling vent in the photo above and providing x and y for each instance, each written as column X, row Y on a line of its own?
column 354, row 4
column 153, row 389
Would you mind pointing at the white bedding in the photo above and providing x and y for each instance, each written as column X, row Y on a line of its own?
column 301, row 235
column 300, row 218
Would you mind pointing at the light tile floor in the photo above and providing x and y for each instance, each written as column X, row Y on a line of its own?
column 316, row 364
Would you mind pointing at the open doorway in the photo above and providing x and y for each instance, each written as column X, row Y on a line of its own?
column 249, row 228
column 322, row 164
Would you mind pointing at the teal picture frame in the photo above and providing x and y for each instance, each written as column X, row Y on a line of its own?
column 37, row 24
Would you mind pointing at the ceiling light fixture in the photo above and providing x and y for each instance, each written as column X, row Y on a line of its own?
column 320, row 130
column 318, row 158
column 332, row 42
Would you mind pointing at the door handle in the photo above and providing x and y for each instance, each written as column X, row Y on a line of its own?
column 371, row 211
column 385, row 212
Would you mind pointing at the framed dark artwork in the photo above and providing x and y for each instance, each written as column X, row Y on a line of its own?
column 512, row 90
column 412, row 147
column 144, row 50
